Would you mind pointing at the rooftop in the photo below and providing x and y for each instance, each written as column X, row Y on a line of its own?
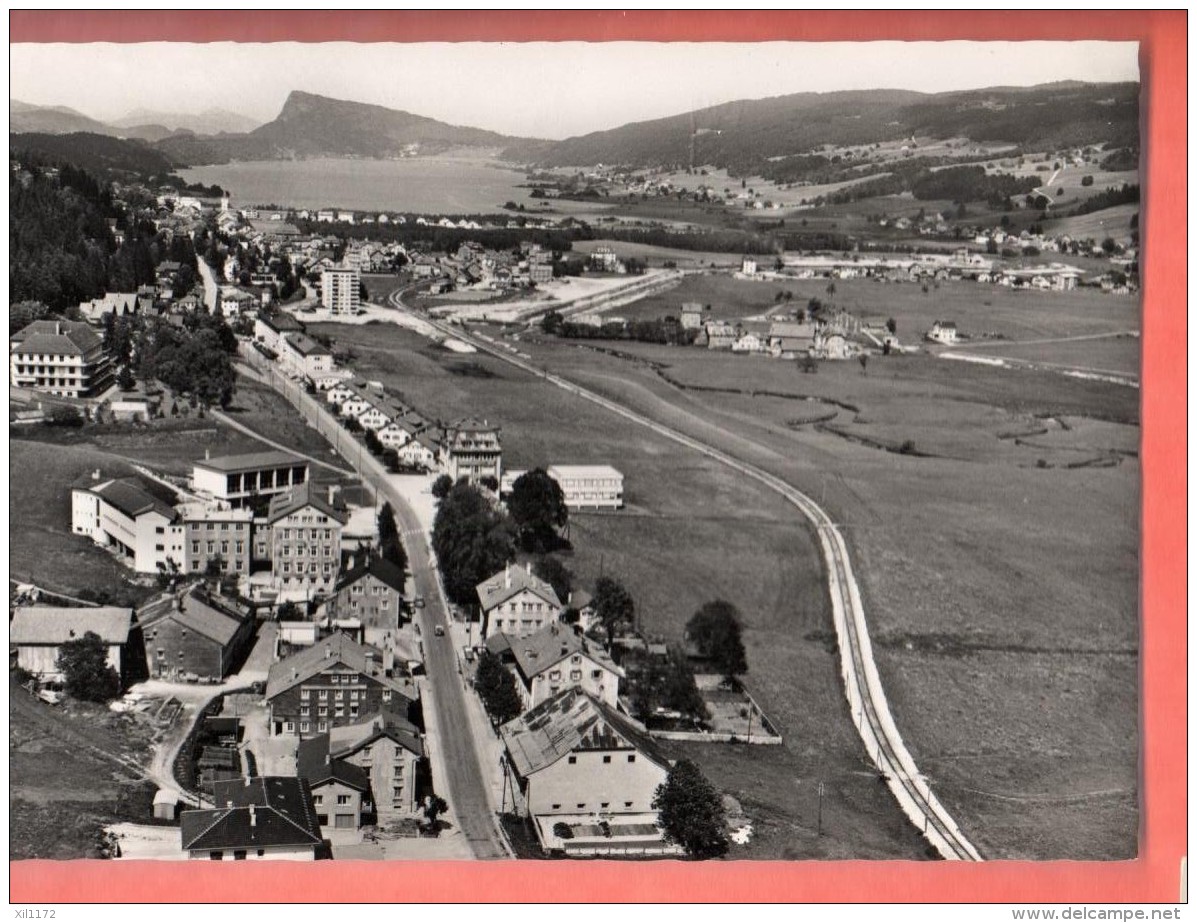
column 314, row 761
column 250, row 462
column 57, row 625
column 557, row 472
column 130, row 496
column 547, row 647
column 56, row 338
column 197, row 610
column 298, row 498
column 336, row 649
column 572, row 720
column 377, row 567
column 510, row 581
column 256, row 812
column 345, row 741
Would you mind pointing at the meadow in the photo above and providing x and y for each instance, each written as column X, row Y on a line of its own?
column 1002, row 592
column 691, row 532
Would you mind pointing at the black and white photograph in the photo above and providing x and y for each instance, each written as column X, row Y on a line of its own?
column 622, row 450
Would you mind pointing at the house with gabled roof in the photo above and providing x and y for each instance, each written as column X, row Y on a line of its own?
column 389, row 749
column 517, row 602
column 339, row 788
column 371, row 594
column 334, row 683
column 586, row 775
column 267, row 817
column 38, row 633
column 195, row 633
column 472, row 449
column 304, row 534
column 554, row 658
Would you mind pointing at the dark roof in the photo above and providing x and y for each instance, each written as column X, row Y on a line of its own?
column 303, row 495
column 257, row 812
column 56, row 338
column 130, row 496
column 199, row 612
column 380, row 569
column 346, row 741
column 572, row 720
column 282, row 322
column 314, row 762
column 251, row 461
column 306, row 346
column 547, row 647
column 337, row 648
column 57, row 625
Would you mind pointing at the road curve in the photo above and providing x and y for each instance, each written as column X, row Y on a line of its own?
column 862, row 684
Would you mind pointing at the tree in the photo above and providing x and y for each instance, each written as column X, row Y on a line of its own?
column 62, row 415
column 892, row 326
column 691, row 811
column 831, row 290
column 537, row 505
column 390, row 543
column 288, row 612
column 373, row 446
column 613, row 605
column 1086, row 180
column 472, row 538
column 551, row 323
column 441, row 487
column 496, row 687
column 557, row 575
column 715, row 631
column 125, row 380
column 86, row 671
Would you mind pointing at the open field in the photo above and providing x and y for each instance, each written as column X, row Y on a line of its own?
column 61, row 793
column 692, row 532
column 1108, row 222
column 976, row 308
column 261, row 409
column 43, row 550
column 729, row 298
column 1013, row 680
column 1114, row 354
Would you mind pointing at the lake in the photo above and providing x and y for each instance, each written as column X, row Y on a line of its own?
column 428, row 185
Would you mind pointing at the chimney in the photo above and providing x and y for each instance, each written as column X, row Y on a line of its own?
column 253, row 817
column 328, row 650
column 332, row 494
column 95, row 475
column 294, row 673
column 328, row 759
column 564, row 649
column 207, row 454
column 248, row 780
column 507, row 575
column 529, row 566
column 370, row 662
column 229, row 804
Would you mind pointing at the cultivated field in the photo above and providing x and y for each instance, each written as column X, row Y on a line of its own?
column 655, row 256
column 1115, row 354
column 691, row 532
column 1002, row 592
column 1108, row 222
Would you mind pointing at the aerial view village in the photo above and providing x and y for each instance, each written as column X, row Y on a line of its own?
column 753, row 480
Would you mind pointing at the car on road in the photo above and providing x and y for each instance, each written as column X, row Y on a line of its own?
column 440, row 631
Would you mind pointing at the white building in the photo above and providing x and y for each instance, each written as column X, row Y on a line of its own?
column 340, row 290
column 575, row 762
column 942, row 332
column 122, row 515
column 300, row 354
column 238, row 478
column 517, row 602
column 589, row 487
column 60, row 357
column 554, row 658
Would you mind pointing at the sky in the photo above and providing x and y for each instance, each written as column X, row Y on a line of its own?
column 541, row 90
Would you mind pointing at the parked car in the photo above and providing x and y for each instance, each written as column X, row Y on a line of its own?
column 440, row 631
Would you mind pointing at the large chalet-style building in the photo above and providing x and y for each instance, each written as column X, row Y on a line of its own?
column 517, row 602
column 334, row 683
column 61, row 357
column 471, row 449
column 555, row 658
column 372, row 594
column 303, row 541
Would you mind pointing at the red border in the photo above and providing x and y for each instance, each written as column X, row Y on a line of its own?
column 1153, row 877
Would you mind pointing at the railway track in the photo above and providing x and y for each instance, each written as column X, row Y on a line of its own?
column 862, row 684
